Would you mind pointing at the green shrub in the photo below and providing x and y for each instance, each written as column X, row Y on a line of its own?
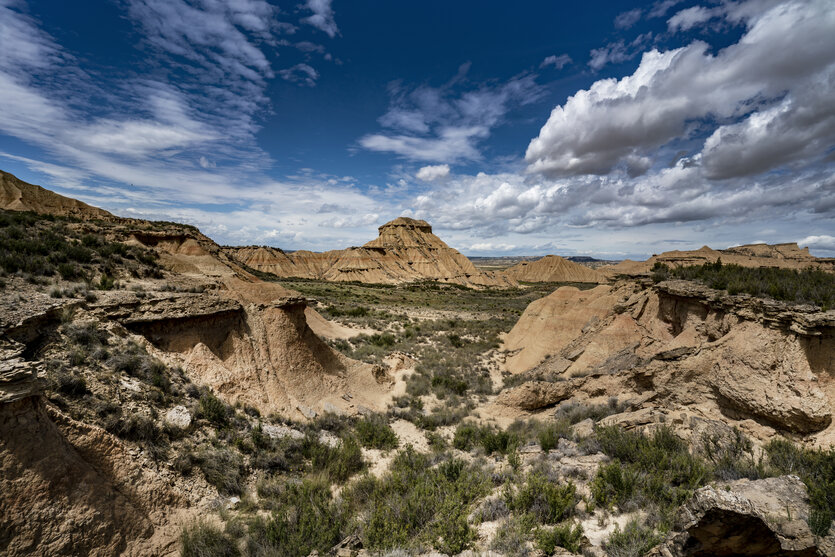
column 634, row 540
column 549, row 435
column 416, row 503
column 654, row 468
column 493, row 440
column 214, row 409
column 566, row 535
column 816, row 467
column 547, row 501
column 72, row 385
column 375, row 432
column 511, row 537
column 88, row 334
column 732, row 457
column 205, row 540
column 304, row 518
column 223, row 468
column 337, row 463
column 804, row 286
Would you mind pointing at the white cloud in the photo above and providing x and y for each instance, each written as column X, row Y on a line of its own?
column 206, row 163
column 323, row 17
column 300, row 73
column 691, row 17
column 661, row 7
column 431, row 173
column 559, row 62
column 625, row 20
column 491, row 247
column 440, row 124
column 823, row 242
column 786, row 52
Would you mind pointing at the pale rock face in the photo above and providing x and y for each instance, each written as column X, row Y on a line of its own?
column 405, row 251
column 762, row 517
column 732, row 358
column 179, row 416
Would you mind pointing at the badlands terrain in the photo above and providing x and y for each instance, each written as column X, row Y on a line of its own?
column 163, row 395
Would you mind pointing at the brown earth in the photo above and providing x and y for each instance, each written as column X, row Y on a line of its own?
column 405, row 251
column 785, row 256
column 553, row 268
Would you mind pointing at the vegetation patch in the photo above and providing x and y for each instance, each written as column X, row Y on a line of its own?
column 807, row 286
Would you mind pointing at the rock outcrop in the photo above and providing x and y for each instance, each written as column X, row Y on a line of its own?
column 733, row 357
column 405, row 251
column 760, row 518
column 553, row 268
column 785, row 256
column 250, row 342
column 17, row 195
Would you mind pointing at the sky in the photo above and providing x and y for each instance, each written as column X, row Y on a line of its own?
column 606, row 128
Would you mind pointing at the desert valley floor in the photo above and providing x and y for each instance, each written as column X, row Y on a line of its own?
column 161, row 394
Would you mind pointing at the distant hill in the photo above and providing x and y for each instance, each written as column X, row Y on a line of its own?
column 405, row 251
column 553, row 268
column 17, row 195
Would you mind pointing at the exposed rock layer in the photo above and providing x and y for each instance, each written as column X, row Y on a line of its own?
column 732, row 356
column 786, row 256
column 405, row 251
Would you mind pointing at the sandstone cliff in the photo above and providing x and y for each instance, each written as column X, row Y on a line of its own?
column 786, row 256
column 553, row 268
column 405, row 251
column 684, row 346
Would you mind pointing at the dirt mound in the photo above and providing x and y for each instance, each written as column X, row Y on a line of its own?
column 553, row 268
column 686, row 346
column 17, row 195
column 785, row 256
column 405, row 251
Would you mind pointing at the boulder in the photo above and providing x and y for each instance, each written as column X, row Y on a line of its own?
column 763, row 517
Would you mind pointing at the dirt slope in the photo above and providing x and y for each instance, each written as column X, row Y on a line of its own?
column 405, row 251
column 17, row 195
column 553, row 268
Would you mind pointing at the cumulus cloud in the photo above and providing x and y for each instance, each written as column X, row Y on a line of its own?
column 445, row 124
column 431, row 173
column 323, row 16
column 559, row 62
column 303, row 74
column 782, row 64
column 823, row 242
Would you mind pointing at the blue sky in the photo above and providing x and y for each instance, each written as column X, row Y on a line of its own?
column 617, row 129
